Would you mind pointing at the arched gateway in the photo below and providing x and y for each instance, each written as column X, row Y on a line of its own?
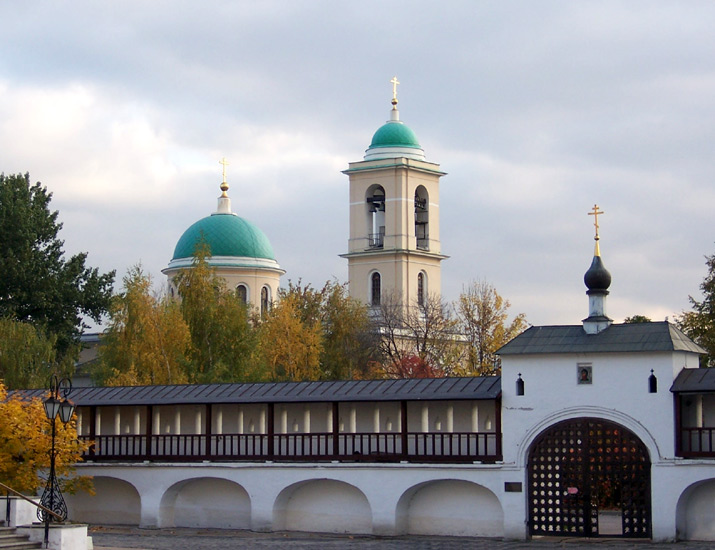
column 589, row 477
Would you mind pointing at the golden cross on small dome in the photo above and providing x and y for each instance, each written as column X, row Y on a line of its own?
column 394, row 83
column 224, row 184
column 596, row 212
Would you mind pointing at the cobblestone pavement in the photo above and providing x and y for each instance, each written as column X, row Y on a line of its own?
column 125, row 538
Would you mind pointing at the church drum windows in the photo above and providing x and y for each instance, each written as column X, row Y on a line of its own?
column 265, row 300
column 242, row 293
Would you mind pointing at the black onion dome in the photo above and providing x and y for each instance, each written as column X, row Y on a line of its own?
column 597, row 277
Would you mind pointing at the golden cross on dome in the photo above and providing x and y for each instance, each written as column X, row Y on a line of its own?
column 596, row 212
column 224, row 162
column 224, row 184
column 394, row 83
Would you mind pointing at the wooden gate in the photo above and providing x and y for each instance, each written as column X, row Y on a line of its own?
column 589, row 477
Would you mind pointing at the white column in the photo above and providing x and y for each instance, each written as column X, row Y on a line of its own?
column 198, row 428
column 475, row 417
column 156, row 421
column 137, row 420
column 284, row 420
column 262, row 421
column 425, row 418
column 450, row 418
column 79, row 422
column 329, row 419
column 306, row 419
column 177, row 420
column 239, row 423
column 353, row 419
column 376, row 419
column 117, row 421
column 698, row 411
column 219, row 420
column 98, row 422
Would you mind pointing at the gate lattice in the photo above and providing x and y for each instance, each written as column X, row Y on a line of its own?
column 578, row 468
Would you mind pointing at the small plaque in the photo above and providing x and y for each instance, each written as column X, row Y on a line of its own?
column 512, row 487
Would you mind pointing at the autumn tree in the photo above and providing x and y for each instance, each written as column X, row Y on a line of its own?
column 289, row 340
column 421, row 337
column 27, row 354
column 147, row 341
column 699, row 324
column 25, row 441
column 37, row 283
column 483, row 321
column 223, row 340
column 348, row 338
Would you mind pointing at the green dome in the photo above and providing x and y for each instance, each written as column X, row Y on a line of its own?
column 395, row 134
column 226, row 235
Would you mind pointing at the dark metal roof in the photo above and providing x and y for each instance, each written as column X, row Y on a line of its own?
column 694, row 380
column 620, row 338
column 415, row 389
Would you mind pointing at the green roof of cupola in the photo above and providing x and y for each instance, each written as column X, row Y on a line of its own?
column 226, row 235
column 395, row 133
column 394, row 139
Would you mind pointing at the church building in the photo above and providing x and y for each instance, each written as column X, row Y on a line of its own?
column 239, row 252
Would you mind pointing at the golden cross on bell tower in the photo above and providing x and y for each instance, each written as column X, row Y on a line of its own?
column 394, row 83
column 224, row 184
column 595, row 213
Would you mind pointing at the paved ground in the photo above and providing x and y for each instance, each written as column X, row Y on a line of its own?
column 120, row 538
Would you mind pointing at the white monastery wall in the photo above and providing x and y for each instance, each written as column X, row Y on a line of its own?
column 346, row 498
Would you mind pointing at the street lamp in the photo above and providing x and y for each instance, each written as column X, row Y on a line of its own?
column 55, row 405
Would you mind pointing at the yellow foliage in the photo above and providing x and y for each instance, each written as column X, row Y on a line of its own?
column 25, row 443
column 289, row 345
column 147, row 341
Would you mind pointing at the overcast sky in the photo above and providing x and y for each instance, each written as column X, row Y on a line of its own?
column 535, row 109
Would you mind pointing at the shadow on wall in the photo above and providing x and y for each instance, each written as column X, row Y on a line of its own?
column 450, row 507
column 323, row 506
column 695, row 513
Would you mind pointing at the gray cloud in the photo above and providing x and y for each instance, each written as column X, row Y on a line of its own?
column 537, row 110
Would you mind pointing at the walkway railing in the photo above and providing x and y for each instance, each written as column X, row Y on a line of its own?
column 365, row 447
column 697, row 442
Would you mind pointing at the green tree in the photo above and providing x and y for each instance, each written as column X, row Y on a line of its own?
column 147, row 341
column 637, row 319
column 26, row 355
column 223, row 340
column 699, row 324
column 37, row 283
column 483, row 320
column 350, row 341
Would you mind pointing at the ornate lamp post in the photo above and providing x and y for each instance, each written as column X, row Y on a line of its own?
column 55, row 405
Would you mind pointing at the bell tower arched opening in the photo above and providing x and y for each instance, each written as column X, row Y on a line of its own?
column 375, row 202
